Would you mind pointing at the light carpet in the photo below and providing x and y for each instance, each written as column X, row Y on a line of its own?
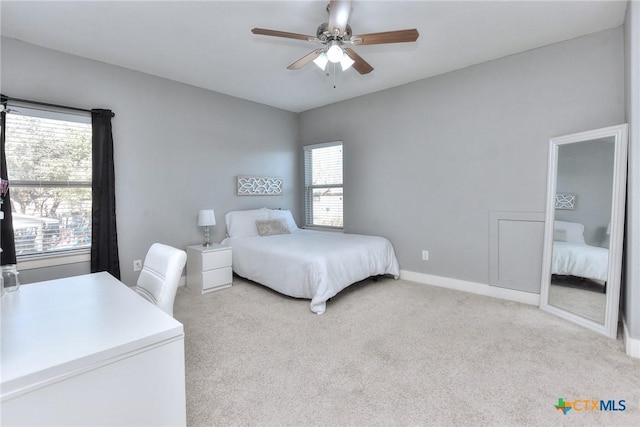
column 583, row 302
column 394, row 353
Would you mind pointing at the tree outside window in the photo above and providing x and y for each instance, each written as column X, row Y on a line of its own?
column 49, row 168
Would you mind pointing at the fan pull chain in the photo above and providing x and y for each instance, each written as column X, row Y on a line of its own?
column 334, row 75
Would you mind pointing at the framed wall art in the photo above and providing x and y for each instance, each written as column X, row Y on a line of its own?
column 565, row 201
column 259, row 185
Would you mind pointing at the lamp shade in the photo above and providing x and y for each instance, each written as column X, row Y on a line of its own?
column 334, row 53
column 206, row 217
column 321, row 61
column 346, row 62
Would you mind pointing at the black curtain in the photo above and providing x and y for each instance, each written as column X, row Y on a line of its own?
column 104, row 239
column 7, row 241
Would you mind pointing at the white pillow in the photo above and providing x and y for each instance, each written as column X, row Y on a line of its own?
column 285, row 215
column 243, row 223
column 559, row 235
column 574, row 231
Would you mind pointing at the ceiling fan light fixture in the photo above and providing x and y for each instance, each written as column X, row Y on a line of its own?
column 346, row 62
column 335, row 34
column 334, row 53
column 321, row 61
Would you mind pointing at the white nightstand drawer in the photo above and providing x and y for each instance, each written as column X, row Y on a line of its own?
column 216, row 259
column 215, row 278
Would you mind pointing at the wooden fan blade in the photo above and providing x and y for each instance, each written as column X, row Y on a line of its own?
column 360, row 65
column 305, row 60
column 275, row 33
column 400, row 36
column 339, row 11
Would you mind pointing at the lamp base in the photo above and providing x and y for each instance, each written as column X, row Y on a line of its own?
column 207, row 242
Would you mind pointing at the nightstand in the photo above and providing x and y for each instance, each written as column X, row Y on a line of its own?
column 209, row 267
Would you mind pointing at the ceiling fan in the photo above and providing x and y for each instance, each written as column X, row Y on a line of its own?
column 334, row 35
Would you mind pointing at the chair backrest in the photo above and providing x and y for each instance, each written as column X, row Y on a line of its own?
column 160, row 275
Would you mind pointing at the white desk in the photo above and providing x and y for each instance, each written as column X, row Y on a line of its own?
column 87, row 350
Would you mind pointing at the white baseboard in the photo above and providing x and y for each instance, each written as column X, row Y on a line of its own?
column 472, row 287
column 631, row 345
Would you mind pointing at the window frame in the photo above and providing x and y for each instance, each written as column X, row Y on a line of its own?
column 63, row 256
column 308, row 189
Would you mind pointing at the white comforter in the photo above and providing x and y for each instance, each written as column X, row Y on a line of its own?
column 312, row 264
column 581, row 260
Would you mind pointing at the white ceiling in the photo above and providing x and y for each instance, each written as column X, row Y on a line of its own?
column 209, row 43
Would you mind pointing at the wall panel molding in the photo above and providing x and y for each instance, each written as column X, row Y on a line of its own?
column 515, row 250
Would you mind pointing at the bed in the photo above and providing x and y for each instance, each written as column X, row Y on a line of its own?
column 573, row 257
column 270, row 249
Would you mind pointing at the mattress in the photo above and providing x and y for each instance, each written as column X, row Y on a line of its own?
column 311, row 264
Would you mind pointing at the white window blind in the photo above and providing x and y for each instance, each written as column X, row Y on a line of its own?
column 323, row 185
column 49, row 168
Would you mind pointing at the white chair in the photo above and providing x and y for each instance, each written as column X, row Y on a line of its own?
column 160, row 275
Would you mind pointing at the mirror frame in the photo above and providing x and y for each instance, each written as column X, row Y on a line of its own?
column 619, row 132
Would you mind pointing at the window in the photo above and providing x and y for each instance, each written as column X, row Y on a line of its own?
column 49, row 168
column 323, row 185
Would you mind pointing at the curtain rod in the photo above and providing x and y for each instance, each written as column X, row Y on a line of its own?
column 46, row 104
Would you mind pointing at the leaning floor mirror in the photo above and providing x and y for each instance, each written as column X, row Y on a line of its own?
column 584, row 226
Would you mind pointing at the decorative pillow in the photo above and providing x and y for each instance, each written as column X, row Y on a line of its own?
column 574, row 231
column 285, row 215
column 559, row 235
column 243, row 223
column 271, row 227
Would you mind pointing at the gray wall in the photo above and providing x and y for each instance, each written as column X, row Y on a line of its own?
column 427, row 162
column 631, row 279
column 586, row 170
column 177, row 148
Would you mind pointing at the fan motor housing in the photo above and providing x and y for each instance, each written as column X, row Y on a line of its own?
column 325, row 36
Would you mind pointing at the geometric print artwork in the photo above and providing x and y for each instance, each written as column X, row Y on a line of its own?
column 259, row 186
column 565, row 201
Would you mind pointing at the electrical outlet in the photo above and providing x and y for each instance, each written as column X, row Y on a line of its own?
column 425, row 255
column 137, row 265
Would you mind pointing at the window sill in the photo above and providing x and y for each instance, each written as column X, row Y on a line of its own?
column 43, row 261
column 320, row 228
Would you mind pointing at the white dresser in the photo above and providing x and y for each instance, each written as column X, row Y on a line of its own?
column 87, row 350
column 209, row 267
